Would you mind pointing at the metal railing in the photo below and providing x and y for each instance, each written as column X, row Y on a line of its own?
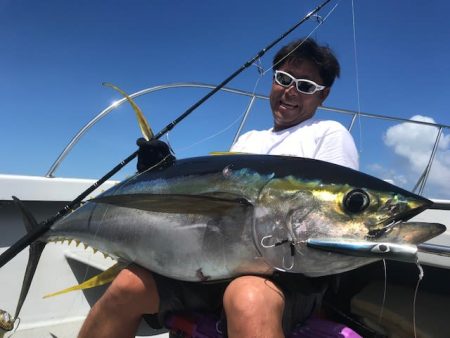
column 419, row 186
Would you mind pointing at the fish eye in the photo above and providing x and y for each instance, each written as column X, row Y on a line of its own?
column 356, row 201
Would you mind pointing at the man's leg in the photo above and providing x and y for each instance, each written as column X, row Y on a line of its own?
column 254, row 308
column 118, row 312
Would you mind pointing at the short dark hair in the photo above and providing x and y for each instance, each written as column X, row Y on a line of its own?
column 308, row 49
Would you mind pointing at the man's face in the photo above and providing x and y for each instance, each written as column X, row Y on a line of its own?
column 289, row 106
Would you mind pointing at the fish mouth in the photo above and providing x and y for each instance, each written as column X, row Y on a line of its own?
column 414, row 207
column 412, row 232
column 397, row 239
column 401, row 243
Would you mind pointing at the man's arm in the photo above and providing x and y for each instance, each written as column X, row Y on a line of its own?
column 337, row 146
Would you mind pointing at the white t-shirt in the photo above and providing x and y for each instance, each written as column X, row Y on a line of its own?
column 324, row 140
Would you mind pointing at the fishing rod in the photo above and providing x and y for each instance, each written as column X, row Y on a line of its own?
column 44, row 226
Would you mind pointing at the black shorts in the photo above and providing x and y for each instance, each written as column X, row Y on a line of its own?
column 302, row 296
column 180, row 296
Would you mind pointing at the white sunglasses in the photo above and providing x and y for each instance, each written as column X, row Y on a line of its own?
column 304, row 86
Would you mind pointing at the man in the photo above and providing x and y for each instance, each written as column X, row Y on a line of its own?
column 294, row 98
column 254, row 306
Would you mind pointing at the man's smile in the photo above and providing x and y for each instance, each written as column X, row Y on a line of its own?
column 287, row 105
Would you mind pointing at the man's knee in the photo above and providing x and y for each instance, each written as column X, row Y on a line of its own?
column 250, row 295
column 134, row 286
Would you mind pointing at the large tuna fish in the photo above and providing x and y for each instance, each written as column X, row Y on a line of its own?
column 217, row 217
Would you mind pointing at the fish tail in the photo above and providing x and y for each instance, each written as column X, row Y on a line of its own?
column 35, row 252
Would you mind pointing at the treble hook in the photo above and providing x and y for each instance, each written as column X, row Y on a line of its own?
column 265, row 244
column 268, row 237
column 292, row 246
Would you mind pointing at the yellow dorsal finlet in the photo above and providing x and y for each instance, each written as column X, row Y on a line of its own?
column 103, row 278
column 143, row 124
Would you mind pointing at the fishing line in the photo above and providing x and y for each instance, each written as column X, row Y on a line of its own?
column 239, row 118
column 78, row 297
column 263, row 72
column 209, row 137
column 212, row 136
column 421, row 274
column 319, row 23
column 357, row 78
column 383, row 303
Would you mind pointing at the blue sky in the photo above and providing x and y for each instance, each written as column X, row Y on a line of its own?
column 55, row 55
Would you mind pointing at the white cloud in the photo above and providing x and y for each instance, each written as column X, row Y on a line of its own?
column 414, row 142
column 389, row 175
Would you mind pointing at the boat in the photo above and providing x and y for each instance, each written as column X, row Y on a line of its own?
column 360, row 302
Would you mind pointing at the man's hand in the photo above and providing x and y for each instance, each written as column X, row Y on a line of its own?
column 151, row 153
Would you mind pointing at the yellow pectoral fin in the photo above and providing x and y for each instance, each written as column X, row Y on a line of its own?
column 101, row 279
